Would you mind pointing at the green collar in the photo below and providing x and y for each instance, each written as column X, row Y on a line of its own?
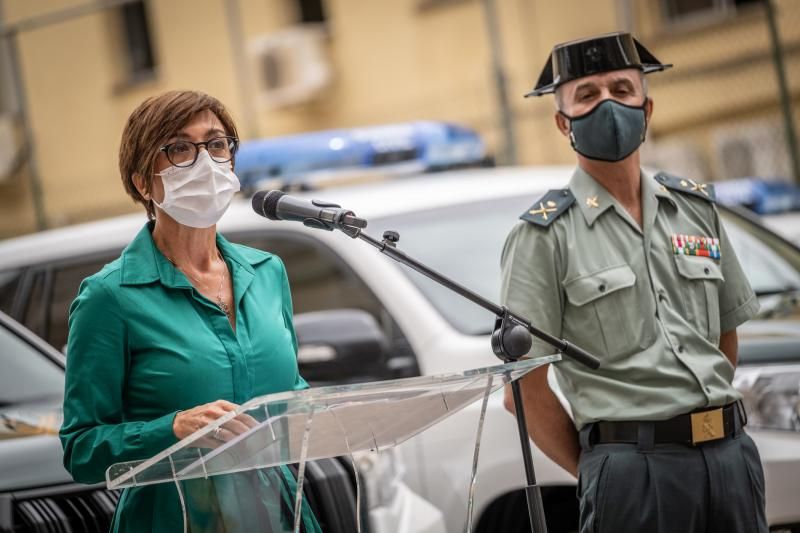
column 593, row 199
column 143, row 262
column 652, row 187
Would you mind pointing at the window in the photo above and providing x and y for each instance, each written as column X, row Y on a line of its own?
column 9, row 282
column 320, row 280
column 311, row 11
column 27, row 374
column 66, row 282
column 680, row 10
column 429, row 234
column 32, row 313
column 137, row 43
column 45, row 296
column 772, row 266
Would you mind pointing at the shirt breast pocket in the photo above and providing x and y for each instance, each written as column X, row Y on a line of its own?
column 603, row 313
column 700, row 278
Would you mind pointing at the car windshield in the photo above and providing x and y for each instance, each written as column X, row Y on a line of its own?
column 436, row 238
column 27, row 375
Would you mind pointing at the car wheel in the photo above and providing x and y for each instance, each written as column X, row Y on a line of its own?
column 509, row 513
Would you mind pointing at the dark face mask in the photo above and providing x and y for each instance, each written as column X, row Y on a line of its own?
column 611, row 131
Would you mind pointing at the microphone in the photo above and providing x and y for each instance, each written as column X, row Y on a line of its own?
column 277, row 205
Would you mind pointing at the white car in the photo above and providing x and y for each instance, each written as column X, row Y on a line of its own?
column 785, row 224
column 455, row 222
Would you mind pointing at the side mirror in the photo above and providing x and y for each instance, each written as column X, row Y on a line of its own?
column 340, row 346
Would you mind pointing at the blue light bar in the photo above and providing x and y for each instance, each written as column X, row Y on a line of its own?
column 396, row 148
column 765, row 197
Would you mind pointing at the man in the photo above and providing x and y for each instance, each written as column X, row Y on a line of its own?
column 638, row 270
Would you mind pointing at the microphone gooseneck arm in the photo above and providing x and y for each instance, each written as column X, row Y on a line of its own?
column 388, row 247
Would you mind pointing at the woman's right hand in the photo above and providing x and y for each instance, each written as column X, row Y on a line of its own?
column 187, row 422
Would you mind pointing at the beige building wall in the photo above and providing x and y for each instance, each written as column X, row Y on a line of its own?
column 723, row 85
column 78, row 98
column 392, row 61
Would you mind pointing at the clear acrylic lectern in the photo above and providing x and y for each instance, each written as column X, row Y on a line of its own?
column 216, row 477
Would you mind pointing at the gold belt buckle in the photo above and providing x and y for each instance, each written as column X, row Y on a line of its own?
column 707, row 425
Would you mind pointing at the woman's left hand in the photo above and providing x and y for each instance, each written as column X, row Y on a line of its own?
column 191, row 420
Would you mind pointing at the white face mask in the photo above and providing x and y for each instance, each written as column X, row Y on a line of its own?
column 198, row 196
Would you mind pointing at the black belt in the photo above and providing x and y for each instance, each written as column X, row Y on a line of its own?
column 690, row 428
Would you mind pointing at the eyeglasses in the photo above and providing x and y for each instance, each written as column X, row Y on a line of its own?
column 184, row 153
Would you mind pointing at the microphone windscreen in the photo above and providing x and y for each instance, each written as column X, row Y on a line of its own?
column 265, row 203
column 271, row 204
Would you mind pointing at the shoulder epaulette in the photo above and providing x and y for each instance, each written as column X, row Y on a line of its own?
column 549, row 207
column 687, row 186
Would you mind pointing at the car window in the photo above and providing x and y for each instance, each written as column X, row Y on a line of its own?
column 771, row 264
column 66, row 282
column 9, row 282
column 320, row 280
column 33, row 315
column 464, row 242
column 27, row 375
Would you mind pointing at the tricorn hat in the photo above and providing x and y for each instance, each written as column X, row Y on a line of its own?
column 593, row 55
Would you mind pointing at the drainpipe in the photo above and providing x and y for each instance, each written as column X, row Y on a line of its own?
column 509, row 154
column 783, row 88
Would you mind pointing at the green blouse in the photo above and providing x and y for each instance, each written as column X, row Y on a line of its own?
column 144, row 344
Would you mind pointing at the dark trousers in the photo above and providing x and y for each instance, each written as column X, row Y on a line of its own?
column 715, row 487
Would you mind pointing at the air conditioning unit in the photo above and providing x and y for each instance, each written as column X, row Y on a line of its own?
column 755, row 149
column 10, row 146
column 291, row 66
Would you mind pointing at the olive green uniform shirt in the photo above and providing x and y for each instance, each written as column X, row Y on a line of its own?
column 144, row 344
column 653, row 317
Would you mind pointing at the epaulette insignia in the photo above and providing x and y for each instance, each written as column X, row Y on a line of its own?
column 687, row 186
column 549, row 207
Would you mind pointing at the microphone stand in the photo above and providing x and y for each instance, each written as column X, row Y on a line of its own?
column 511, row 339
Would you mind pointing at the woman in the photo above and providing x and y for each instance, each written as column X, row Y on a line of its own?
column 178, row 330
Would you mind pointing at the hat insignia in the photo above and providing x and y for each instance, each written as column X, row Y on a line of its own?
column 594, row 54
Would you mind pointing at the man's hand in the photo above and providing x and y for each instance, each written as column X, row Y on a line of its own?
column 549, row 425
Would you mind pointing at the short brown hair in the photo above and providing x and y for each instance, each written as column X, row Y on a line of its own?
column 151, row 125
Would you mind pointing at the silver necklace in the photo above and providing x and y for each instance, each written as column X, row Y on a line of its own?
column 220, row 302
